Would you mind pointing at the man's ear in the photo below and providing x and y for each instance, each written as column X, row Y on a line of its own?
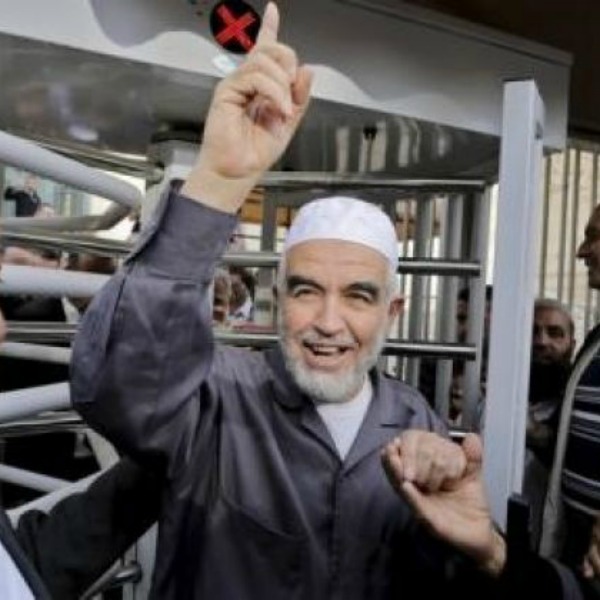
column 396, row 307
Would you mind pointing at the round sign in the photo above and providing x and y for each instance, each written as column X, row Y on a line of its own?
column 234, row 25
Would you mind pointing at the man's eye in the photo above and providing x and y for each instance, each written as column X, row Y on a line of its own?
column 361, row 297
column 299, row 291
column 556, row 332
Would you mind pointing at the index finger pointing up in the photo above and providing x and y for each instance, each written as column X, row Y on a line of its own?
column 269, row 29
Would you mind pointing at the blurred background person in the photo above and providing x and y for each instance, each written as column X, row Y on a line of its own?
column 427, row 371
column 553, row 344
column 60, row 453
column 26, row 198
column 243, row 288
column 552, row 347
column 15, row 255
column 222, row 290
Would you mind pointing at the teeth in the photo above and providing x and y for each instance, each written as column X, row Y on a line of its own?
column 325, row 350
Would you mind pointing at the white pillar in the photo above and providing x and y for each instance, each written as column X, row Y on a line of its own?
column 514, row 287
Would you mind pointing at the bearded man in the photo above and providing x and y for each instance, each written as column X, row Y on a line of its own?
column 274, row 486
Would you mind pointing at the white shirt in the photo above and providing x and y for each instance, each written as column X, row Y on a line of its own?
column 12, row 584
column 343, row 419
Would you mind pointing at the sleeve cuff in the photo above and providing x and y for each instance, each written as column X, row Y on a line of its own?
column 184, row 240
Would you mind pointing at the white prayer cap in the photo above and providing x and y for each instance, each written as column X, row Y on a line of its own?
column 347, row 219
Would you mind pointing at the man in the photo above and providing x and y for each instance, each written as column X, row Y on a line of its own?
column 428, row 366
column 572, row 500
column 552, row 345
column 462, row 315
column 272, row 460
column 221, row 297
column 242, row 294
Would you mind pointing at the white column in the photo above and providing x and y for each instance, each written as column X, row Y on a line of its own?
column 514, row 287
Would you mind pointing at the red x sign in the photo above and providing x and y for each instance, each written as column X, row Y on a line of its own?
column 234, row 25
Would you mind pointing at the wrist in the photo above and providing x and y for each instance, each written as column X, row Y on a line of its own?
column 494, row 564
column 207, row 187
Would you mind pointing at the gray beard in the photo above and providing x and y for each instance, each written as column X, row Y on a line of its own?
column 330, row 387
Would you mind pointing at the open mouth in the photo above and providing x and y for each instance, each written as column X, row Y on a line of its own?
column 327, row 349
column 326, row 354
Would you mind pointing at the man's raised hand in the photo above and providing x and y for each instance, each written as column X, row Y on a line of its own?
column 254, row 113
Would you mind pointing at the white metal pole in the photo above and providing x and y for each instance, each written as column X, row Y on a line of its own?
column 28, row 155
column 51, row 354
column 17, row 280
column 31, row 401
column 514, row 288
column 29, row 479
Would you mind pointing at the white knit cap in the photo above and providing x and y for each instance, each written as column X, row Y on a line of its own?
column 348, row 219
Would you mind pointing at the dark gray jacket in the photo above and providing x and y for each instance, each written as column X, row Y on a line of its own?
column 258, row 504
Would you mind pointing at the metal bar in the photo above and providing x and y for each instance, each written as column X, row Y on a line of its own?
column 104, row 452
column 25, row 154
column 417, row 298
column 477, row 309
column 404, row 240
column 145, row 553
column 574, row 227
column 51, row 354
column 105, row 220
column 545, row 224
column 427, row 284
column 446, row 310
column 17, row 330
column 104, row 247
column 49, row 282
column 392, row 347
column 30, row 401
column 115, row 578
column 514, row 282
column 303, row 179
column 563, row 224
column 39, row 331
column 45, row 503
column 44, row 423
column 589, row 317
column 67, row 242
column 264, row 301
column 29, row 479
column 103, row 159
column 412, row 266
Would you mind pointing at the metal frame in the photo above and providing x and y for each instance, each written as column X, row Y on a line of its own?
column 514, row 284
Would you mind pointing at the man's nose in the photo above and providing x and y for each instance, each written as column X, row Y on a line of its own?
column 582, row 250
column 329, row 320
column 541, row 338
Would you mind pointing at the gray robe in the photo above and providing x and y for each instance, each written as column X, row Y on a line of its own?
column 258, row 504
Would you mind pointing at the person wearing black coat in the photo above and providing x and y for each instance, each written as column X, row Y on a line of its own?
column 59, row 554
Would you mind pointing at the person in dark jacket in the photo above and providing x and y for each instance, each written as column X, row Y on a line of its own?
column 26, row 199
column 60, row 554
